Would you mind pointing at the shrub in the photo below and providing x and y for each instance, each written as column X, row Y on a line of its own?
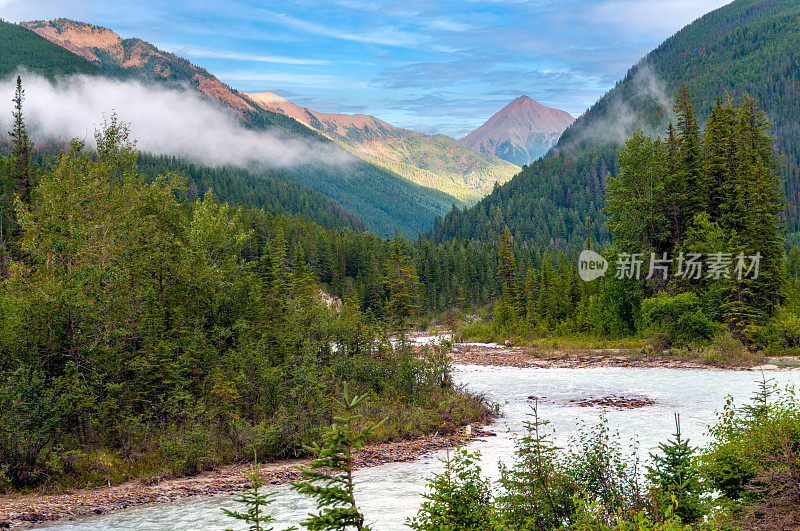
column 458, row 498
column 781, row 333
column 678, row 320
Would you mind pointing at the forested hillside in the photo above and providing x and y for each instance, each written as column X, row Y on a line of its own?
column 433, row 161
column 270, row 190
column 747, row 46
column 22, row 48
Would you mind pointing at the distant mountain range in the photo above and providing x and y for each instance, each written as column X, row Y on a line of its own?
column 380, row 198
column 520, row 132
column 436, row 161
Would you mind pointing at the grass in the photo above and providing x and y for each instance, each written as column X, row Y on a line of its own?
column 722, row 351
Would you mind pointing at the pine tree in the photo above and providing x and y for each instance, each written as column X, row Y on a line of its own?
column 329, row 477
column 717, row 163
column 22, row 150
column 403, row 283
column 693, row 187
column 750, row 213
column 534, row 494
column 674, row 475
column 672, row 185
column 255, row 502
column 506, row 310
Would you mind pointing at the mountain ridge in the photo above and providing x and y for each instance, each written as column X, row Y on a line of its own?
column 520, row 132
column 435, row 161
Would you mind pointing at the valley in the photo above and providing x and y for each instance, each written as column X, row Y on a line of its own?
column 436, row 266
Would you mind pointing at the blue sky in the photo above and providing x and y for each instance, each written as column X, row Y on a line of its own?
column 441, row 67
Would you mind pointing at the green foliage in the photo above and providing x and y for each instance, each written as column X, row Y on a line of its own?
column 329, row 477
column 602, row 471
column 266, row 189
column 781, row 333
column 174, row 335
column 587, row 520
column 458, row 498
column 537, row 492
column 676, row 321
column 403, row 284
column 661, row 204
column 748, row 440
column 506, row 308
column 546, row 205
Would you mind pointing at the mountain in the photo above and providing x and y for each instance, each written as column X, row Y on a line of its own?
column 520, row 132
column 383, row 200
column 21, row 48
column 746, row 46
column 436, row 161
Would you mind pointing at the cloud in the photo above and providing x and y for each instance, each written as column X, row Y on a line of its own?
column 163, row 121
column 215, row 54
column 387, row 35
column 288, row 79
column 619, row 119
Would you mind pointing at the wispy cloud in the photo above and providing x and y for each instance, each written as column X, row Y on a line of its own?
column 159, row 119
column 386, row 35
column 258, row 58
column 291, row 79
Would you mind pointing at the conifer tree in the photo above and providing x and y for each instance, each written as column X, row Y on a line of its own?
column 403, row 284
column 22, row 149
column 255, row 502
column 329, row 478
column 534, row 494
column 693, row 185
column 718, row 156
column 506, row 309
column 673, row 474
column 672, row 185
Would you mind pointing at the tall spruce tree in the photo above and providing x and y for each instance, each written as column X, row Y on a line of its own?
column 718, row 156
column 404, row 286
column 22, row 149
column 506, row 309
column 692, row 184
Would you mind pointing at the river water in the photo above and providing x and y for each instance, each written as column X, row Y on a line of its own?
column 389, row 494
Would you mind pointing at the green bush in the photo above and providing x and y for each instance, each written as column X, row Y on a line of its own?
column 34, row 410
column 676, row 321
column 781, row 333
column 458, row 499
column 750, row 445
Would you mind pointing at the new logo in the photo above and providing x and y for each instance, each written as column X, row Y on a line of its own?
column 591, row 265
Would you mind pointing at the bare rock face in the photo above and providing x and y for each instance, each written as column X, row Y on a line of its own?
column 520, row 132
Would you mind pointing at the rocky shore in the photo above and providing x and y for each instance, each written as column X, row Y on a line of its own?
column 515, row 356
column 31, row 509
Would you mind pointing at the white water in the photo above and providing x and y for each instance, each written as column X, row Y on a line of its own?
column 390, row 493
